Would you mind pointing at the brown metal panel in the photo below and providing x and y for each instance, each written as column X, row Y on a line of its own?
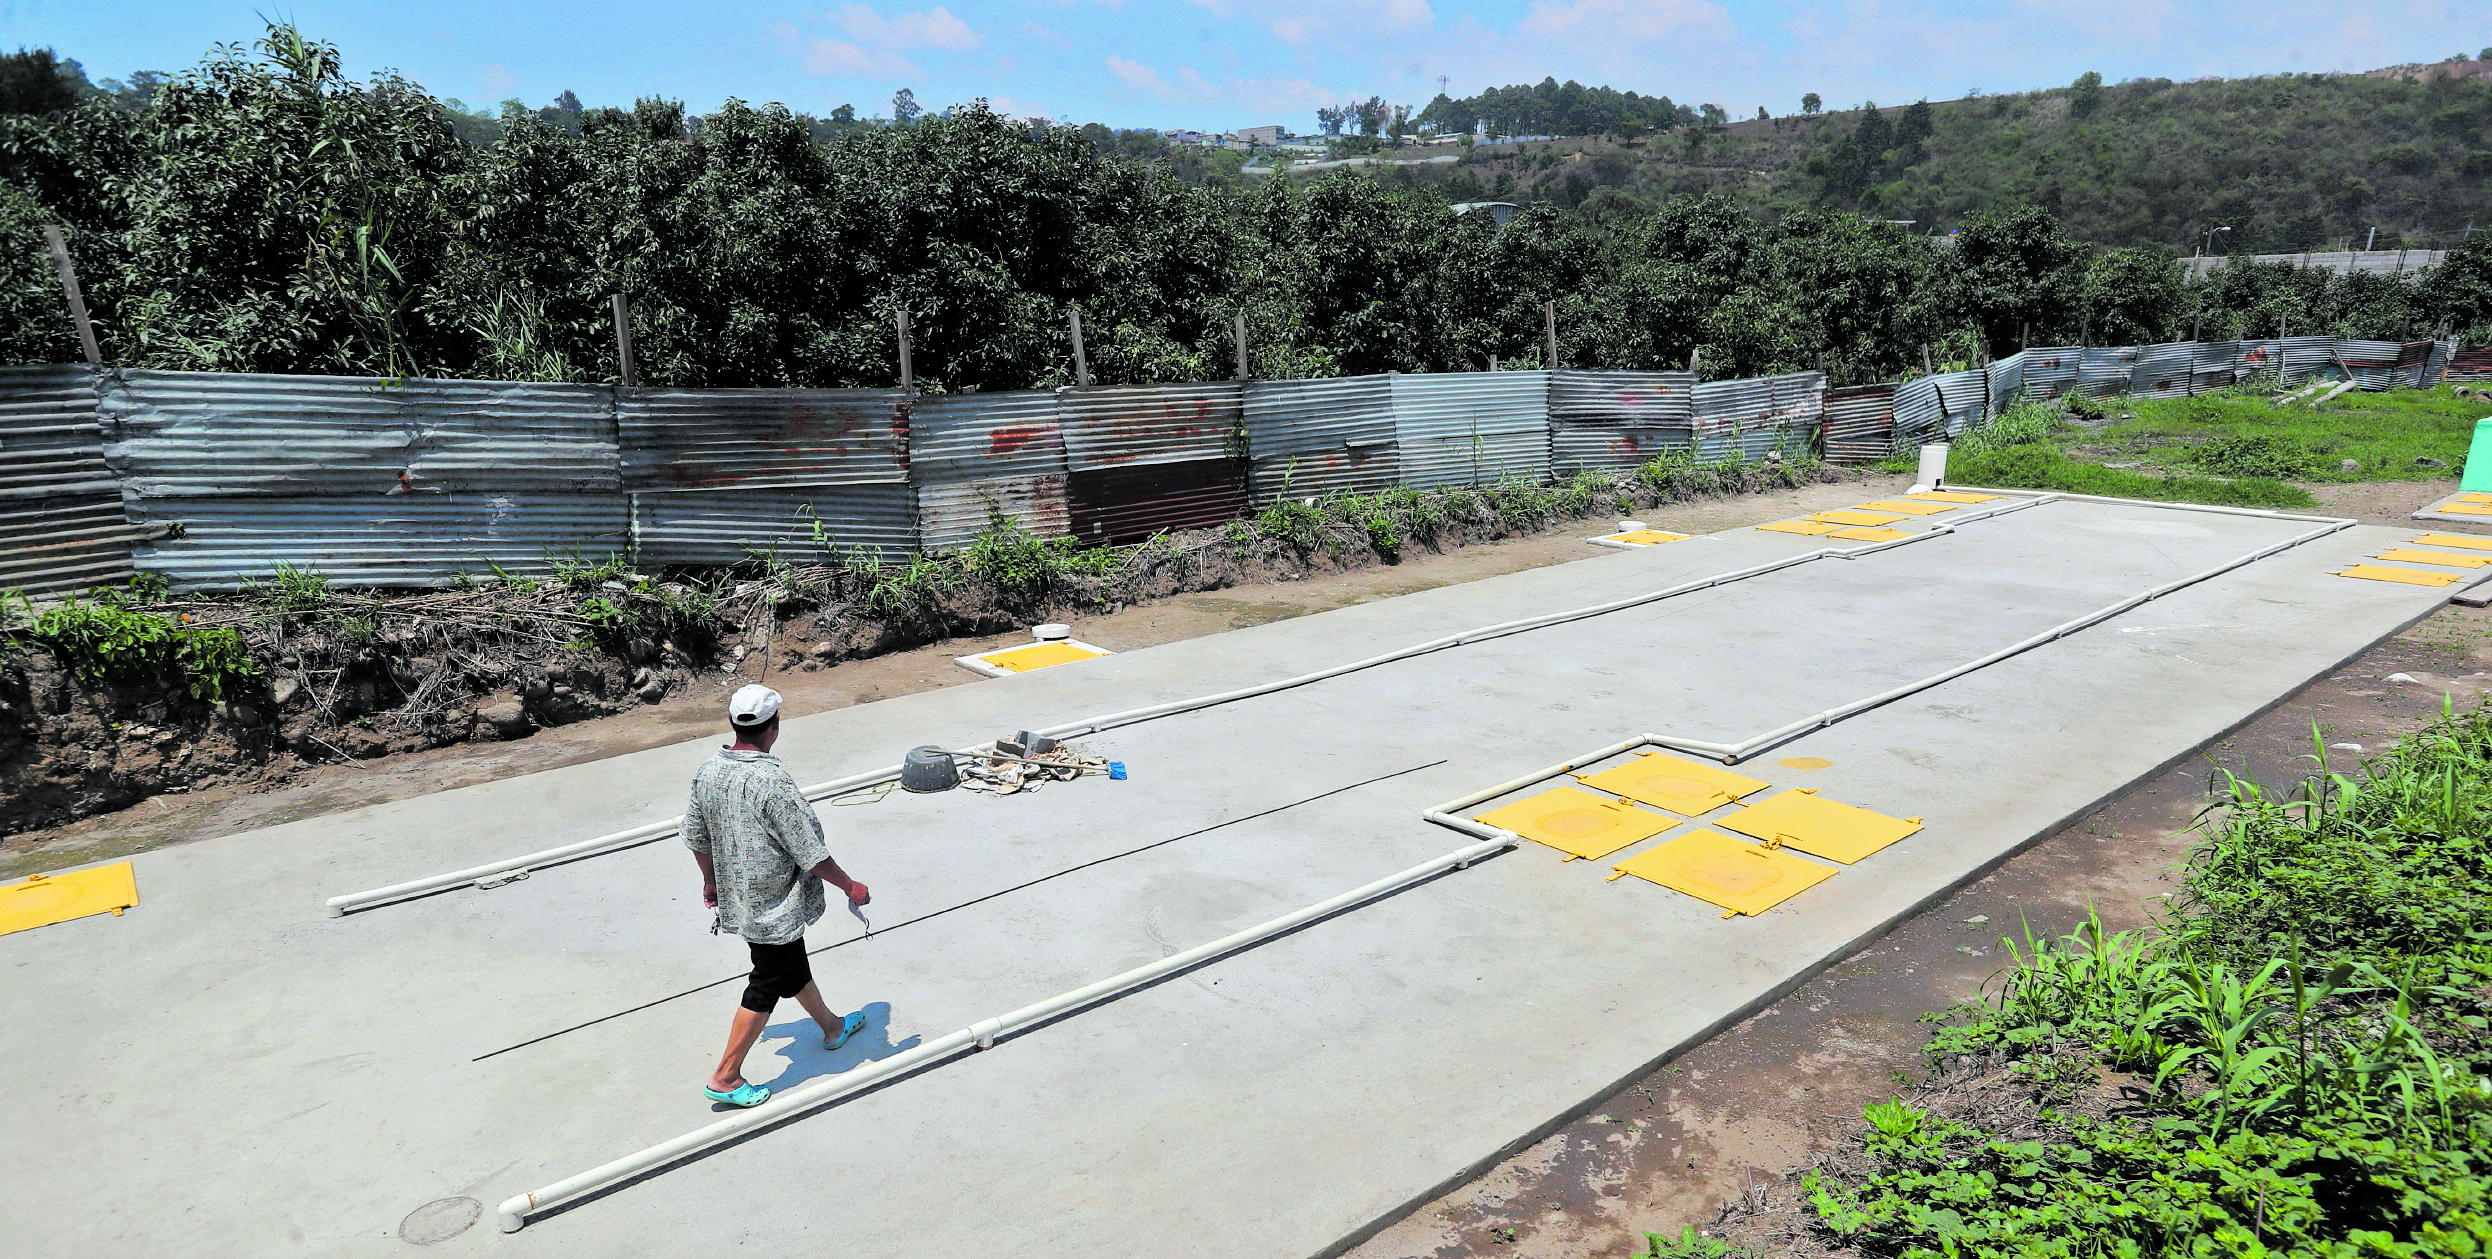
column 1121, row 504
column 951, row 515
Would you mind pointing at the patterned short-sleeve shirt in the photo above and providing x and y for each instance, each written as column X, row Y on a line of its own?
column 763, row 839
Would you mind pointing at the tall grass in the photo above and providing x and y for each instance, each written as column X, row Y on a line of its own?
column 2303, row 1042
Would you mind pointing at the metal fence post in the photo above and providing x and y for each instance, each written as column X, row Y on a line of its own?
column 1081, row 360
column 623, row 340
column 69, row 288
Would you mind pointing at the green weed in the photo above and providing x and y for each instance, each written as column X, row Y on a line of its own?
column 105, row 638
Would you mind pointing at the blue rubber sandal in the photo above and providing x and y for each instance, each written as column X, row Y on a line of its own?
column 745, row 1094
column 848, row 1027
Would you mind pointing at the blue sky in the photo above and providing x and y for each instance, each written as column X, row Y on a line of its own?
column 1222, row 64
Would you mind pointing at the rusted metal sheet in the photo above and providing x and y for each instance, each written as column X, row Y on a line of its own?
column 2162, row 371
column 799, row 524
column 1661, row 400
column 1919, row 416
column 61, row 527
column 2104, row 371
column 2309, row 357
column 1128, row 425
column 2437, row 364
column 1619, row 419
column 1761, row 414
column 981, row 436
column 1575, row 446
column 192, row 434
column 2372, row 363
column 1472, row 428
column 374, row 540
column 2005, row 380
column 951, row 515
column 1860, row 423
column 2213, row 365
column 1323, row 473
column 2050, row 371
column 712, row 439
column 1312, row 438
column 972, row 455
column 2259, row 362
column 1122, row 503
column 2469, row 364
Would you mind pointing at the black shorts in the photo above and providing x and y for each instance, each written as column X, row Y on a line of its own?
column 780, row 971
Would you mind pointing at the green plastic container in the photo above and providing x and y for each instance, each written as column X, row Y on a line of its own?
column 2478, row 474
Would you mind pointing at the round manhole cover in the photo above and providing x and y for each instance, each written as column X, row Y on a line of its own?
column 439, row 1221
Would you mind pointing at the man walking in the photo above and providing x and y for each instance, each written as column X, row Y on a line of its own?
column 763, row 863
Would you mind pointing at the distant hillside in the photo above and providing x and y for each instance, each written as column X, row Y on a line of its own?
column 2288, row 162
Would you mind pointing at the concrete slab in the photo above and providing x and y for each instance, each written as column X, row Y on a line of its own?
column 2459, row 508
column 226, row 1071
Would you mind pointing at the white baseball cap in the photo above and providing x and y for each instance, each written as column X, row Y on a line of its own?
column 752, row 705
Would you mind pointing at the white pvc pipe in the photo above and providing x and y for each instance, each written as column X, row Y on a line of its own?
column 338, row 905
column 982, row 1035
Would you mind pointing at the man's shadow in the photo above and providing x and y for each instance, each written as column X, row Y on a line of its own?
column 808, row 1060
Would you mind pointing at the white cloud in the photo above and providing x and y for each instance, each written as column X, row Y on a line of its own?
column 497, row 80
column 878, row 45
column 1607, row 22
column 1139, row 77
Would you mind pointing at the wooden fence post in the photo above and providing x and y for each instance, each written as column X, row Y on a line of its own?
column 1549, row 311
column 623, row 340
column 1241, row 347
column 908, row 375
column 1081, row 360
column 69, row 288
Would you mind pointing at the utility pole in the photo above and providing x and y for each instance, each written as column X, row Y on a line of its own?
column 1081, row 361
column 908, row 374
column 623, row 341
column 69, row 289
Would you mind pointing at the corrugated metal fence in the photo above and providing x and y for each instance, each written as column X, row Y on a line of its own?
column 213, row 480
column 61, row 526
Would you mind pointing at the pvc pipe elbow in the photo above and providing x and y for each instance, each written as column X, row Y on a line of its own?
column 514, row 1212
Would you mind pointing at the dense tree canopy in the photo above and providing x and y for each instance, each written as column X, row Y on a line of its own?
column 263, row 213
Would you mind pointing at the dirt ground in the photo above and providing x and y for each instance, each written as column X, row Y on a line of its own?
column 331, row 788
column 1671, row 1150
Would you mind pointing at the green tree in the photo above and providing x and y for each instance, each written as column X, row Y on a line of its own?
column 1810, row 102
column 2016, row 278
column 35, row 81
column 2085, row 95
column 904, row 107
column 2133, row 296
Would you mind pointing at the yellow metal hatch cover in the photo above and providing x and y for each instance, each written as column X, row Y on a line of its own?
column 44, row 899
column 2410, row 576
column 1811, row 528
column 1038, row 656
column 2408, row 555
column 1741, row 877
column 2475, row 498
column 2464, row 541
column 1579, row 823
column 1802, row 819
column 1681, row 786
column 1907, row 507
column 1870, row 535
column 2466, row 509
column 1855, row 516
column 1952, row 496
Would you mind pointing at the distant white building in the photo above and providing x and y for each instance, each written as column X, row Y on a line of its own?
column 1265, row 136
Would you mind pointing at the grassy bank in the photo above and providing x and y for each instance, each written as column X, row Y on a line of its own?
column 2293, row 1062
column 2025, row 449
column 2394, row 435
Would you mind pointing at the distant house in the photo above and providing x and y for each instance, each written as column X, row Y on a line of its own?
column 1265, row 136
column 1497, row 211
